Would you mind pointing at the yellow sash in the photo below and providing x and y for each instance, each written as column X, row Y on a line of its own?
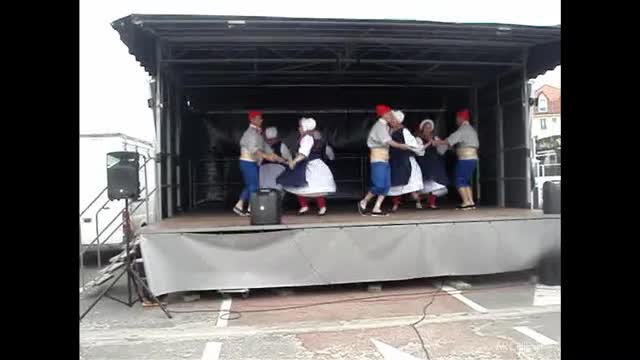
column 379, row 154
column 246, row 156
column 467, row 153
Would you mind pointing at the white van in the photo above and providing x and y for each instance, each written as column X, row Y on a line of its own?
column 99, row 217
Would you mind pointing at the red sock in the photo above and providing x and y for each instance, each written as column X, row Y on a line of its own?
column 431, row 200
column 395, row 200
column 321, row 202
column 302, row 201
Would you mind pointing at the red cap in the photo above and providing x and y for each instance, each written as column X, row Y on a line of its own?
column 464, row 113
column 254, row 113
column 382, row 109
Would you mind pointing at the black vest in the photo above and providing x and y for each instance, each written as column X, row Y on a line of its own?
column 399, row 161
column 317, row 150
column 297, row 177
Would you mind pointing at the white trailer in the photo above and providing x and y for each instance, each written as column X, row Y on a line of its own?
column 101, row 219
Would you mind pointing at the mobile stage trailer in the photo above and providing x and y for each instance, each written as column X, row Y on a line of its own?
column 209, row 70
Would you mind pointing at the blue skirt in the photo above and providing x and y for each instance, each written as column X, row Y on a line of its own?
column 433, row 167
column 294, row 178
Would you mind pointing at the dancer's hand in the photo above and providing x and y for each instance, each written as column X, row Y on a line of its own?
column 292, row 164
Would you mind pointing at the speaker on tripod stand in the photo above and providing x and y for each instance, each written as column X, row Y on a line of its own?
column 122, row 175
column 123, row 183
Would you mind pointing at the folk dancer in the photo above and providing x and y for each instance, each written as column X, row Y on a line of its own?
column 465, row 139
column 253, row 149
column 432, row 164
column 308, row 176
column 270, row 170
column 406, row 176
column 379, row 141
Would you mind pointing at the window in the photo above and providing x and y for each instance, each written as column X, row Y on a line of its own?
column 555, row 120
column 542, row 104
column 543, row 124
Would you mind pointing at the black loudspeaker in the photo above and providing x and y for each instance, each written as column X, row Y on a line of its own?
column 265, row 207
column 551, row 197
column 549, row 268
column 122, row 175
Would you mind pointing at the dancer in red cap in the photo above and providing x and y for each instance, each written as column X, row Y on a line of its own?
column 465, row 139
column 253, row 149
column 378, row 142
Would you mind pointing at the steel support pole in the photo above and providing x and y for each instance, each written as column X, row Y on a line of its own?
column 500, row 150
column 177, row 105
column 475, row 119
column 159, row 158
column 168, row 112
column 190, row 188
column 527, row 127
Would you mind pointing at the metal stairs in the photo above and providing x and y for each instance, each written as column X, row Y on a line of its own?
column 115, row 263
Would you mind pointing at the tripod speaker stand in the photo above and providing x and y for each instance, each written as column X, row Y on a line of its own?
column 123, row 183
column 134, row 282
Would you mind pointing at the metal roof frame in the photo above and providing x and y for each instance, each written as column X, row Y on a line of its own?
column 201, row 51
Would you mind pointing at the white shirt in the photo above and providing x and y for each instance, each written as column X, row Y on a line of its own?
column 379, row 136
column 465, row 136
column 306, row 143
column 252, row 141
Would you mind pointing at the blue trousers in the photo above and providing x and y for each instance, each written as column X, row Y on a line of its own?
column 380, row 177
column 464, row 172
column 250, row 177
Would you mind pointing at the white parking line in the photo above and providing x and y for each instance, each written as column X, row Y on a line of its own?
column 211, row 351
column 223, row 315
column 541, row 339
column 213, row 348
column 388, row 352
column 465, row 300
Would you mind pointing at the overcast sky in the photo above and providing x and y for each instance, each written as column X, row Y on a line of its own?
column 114, row 88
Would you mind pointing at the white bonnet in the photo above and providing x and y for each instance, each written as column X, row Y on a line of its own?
column 399, row 115
column 425, row 121
column 307, row 124
column 271, row 132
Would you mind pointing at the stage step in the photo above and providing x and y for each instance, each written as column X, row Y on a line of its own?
column 122, row 255
column 116, row 263
column 111, row 268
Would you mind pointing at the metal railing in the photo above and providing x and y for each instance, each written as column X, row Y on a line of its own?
column 544, row 170
column 99, row 232
column 226, row 175
column 86, row 247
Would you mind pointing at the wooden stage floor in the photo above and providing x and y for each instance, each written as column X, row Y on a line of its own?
column 227, row 221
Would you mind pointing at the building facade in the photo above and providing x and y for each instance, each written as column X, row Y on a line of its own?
column 546, row 115
column 546, row 135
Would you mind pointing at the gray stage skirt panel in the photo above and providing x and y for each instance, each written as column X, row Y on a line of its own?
column 177, row 262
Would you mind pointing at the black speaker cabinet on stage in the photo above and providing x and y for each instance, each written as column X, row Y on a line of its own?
column 122, row 175
column 551, row 197
column 265, row 207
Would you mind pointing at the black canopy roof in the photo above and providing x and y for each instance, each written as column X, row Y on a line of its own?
column 240, row 51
